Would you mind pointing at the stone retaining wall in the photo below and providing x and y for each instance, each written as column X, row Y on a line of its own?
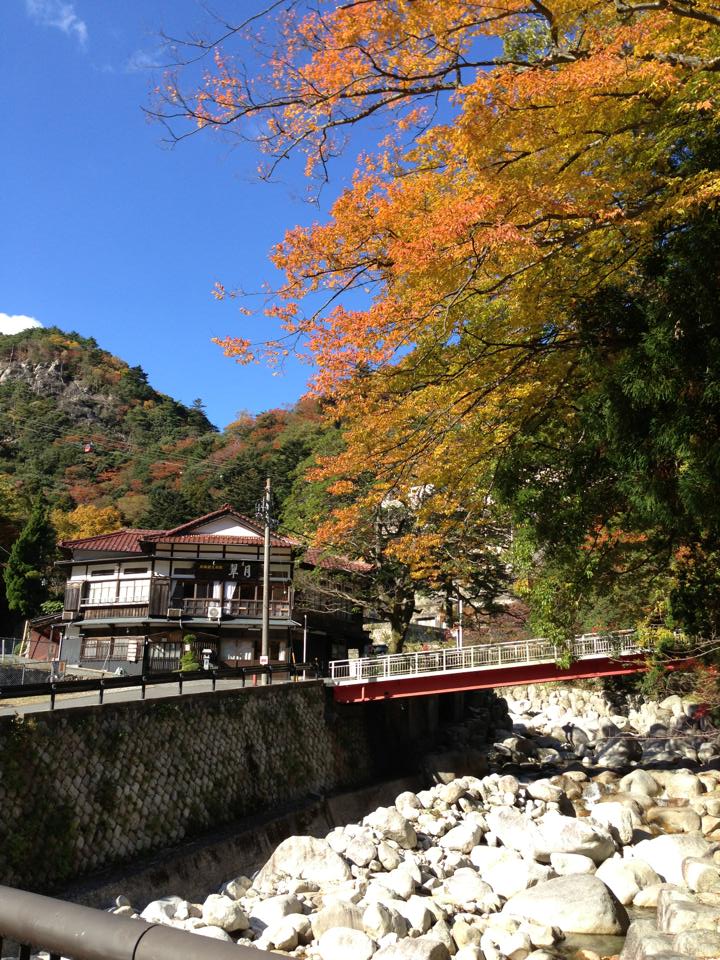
column 82, row 789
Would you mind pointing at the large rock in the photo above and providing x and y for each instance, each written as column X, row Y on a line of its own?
column 666, row 854
column 466, row 887
column 379, row 919
column 552, row 834
column 462, row 838
column 576, row 904
column 361, row 851
column 698, row 943
column 674, row 819
column 560, row 834
column 345, row 944
column 420, row 948
column 619, row 819
column 506, row 871
column 303, row 858
column 642, row 782
column 626, row 878
column 265, row 913
column 220, row 911
column 566, row 864
column 391, row 824
column 162, row 910
column 337, row 914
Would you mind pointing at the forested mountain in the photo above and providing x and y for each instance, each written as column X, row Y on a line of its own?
column 80, row 427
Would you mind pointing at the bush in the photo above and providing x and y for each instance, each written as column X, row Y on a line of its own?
column 188, row 662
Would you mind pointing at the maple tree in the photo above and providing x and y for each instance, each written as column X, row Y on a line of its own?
column 531, row 152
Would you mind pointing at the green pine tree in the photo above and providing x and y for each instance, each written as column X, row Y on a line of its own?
column 28, row 565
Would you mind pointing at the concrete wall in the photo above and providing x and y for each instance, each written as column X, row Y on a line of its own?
column 91, row 788
column 86, row 788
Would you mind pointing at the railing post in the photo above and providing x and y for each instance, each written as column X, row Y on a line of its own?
column 444, row 658
column 417, row 667
column 242, row 675
column 387, row 665
column 527, row 651
column 142, row 687
column 269, row 674
column 180, row 682
column 101, row 690
column 472, row 657
column 213, row 678
column 52, row 696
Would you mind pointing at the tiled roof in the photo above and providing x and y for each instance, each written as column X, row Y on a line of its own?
column 119, row 541
column 210, row 538
column 225, row 509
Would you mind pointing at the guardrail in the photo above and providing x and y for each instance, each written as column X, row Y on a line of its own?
column 81, row 933
column 482, row 656
column 54, row 688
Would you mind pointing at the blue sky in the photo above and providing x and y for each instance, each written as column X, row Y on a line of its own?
column 107, row 231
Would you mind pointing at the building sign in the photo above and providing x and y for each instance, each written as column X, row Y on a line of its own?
column 228, row 570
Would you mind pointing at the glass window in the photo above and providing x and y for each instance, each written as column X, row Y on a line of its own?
column 102, row 592
column 134, row 591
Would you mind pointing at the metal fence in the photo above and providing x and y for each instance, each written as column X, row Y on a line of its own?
column 287, row 673
column 81, row 933
column 482, row 656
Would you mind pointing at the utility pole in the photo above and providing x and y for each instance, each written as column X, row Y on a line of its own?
column 265, row 643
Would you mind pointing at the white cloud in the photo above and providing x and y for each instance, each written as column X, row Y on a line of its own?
column 14, row 323
column 142, row 60
column 58, row 13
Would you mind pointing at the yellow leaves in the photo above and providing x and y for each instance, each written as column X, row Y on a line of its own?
column 86, row 520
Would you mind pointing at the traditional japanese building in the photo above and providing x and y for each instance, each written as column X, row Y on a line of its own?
column 134, row 596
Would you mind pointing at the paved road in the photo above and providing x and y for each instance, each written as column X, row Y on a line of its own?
column 159, row 691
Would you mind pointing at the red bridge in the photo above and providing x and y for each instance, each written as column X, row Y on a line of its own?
column 479, row 667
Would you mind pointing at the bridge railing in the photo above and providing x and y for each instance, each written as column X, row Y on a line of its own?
column 81, row 933
column 481, row 656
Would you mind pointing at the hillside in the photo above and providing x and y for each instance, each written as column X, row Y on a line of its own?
column 80, row 426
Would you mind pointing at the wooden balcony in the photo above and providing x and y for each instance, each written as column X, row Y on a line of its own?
column 121, row 611
column 236, row 609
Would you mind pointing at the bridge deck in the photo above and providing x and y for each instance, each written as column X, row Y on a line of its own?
column 487, row 665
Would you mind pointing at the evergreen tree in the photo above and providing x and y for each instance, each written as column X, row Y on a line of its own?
column 28, row 565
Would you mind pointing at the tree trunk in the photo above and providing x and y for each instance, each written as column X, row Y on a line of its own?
column 400, row 617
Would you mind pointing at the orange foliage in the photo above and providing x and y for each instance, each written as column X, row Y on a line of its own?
column 467, row 237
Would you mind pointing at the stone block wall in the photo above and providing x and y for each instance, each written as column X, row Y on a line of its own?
column 83, row 789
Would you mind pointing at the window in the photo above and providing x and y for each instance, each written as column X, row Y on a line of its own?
column 117, row 591
column 101, row 592
column 133, row 571
column 103, row 573
column 198, row 590
column 111, row 648
column 134, row 591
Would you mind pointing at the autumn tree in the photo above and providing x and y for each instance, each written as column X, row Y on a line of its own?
column 533, row 153
column 405, row 548
column 86, row 520
column 566, row 135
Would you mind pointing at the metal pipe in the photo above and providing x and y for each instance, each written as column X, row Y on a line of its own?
column 82, row 933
